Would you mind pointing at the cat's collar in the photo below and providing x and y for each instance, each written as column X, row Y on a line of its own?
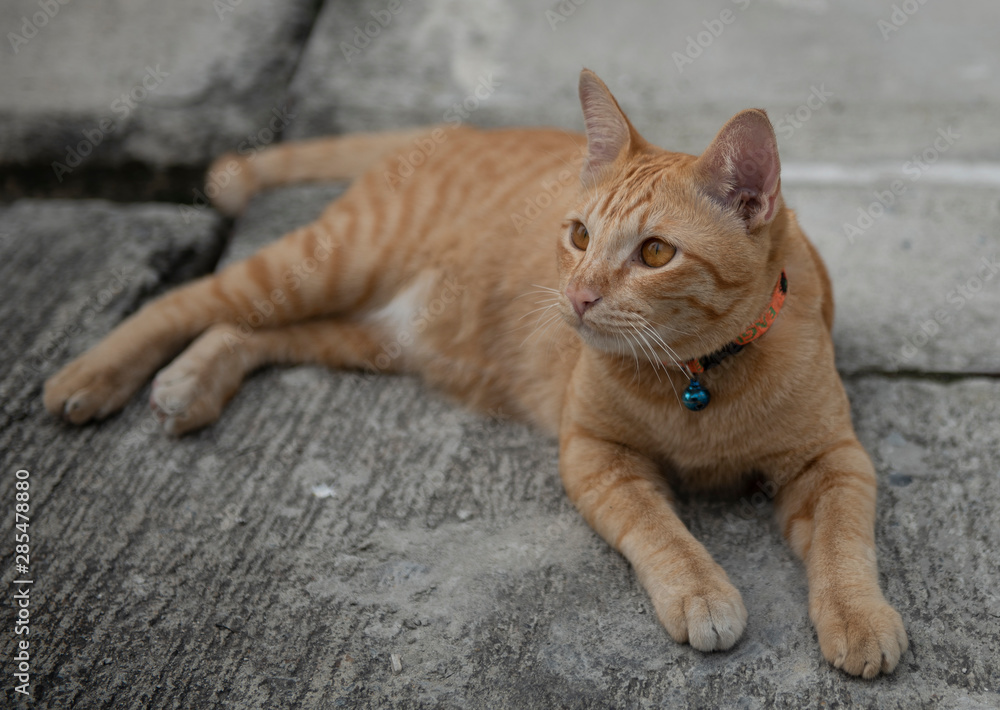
column 696, row 397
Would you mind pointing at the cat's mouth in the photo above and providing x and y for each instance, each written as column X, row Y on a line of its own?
column 630, row 337
column 587, row 328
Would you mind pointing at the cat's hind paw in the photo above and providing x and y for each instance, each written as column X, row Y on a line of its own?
column 179, row 402
column 192, row 391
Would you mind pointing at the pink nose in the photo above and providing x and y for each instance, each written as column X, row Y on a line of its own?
column 582, row 298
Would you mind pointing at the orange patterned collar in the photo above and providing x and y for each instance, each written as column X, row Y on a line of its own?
column 697, row 397
column 753, row 331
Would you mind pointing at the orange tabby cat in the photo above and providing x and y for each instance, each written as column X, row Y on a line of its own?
column 587, row 300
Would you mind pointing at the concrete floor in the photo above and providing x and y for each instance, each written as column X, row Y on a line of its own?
column 332, row 521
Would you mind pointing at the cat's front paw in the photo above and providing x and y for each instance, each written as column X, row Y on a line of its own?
column 707, row 612
column 860, row 636
column 88, row 388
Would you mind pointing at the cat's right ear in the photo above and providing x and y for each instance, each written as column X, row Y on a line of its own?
column 609, row 132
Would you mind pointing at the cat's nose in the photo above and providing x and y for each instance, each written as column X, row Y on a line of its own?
column 582, row 298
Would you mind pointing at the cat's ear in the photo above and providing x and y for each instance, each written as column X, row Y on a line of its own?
column 741, row 170
column 609, row 132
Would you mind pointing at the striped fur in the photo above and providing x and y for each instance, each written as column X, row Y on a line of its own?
column 452, row 255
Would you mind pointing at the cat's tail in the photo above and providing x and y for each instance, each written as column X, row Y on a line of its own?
column 235, row 177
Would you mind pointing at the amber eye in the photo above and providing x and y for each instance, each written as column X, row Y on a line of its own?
column 579, row 236
column 656, row 252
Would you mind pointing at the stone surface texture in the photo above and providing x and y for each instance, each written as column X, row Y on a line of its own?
column 345, row 540
column 154, row 82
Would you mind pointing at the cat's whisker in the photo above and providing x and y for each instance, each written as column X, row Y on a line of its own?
column 658, row 361
column 620, row 350
column 552, row 342
column 673, row 358
column 545, row 325
column 618, row 325
column 647, row 349
column 706, row 346
column 655, row 338
column 671, row 353
column 668, row 327
column 535, row 293
column 548, row 293
column 658, row 339
column 547, row 322
column 541, row 311
column 635, row 355
column 540, row 308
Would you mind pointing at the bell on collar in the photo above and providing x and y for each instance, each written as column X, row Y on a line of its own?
column 696, row 397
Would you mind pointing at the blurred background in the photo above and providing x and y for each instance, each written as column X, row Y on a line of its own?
column 891, row 73
column 328, row 523
column 887, row 107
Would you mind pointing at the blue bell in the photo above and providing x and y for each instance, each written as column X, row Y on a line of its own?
column 696, row 397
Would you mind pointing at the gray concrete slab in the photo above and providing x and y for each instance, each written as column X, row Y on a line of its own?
column 917, row 284
column 74, row 269
column 160, row 83
column 342, row 540
column 841, row 85
column 331, row 521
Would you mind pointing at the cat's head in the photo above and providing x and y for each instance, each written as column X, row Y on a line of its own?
column 667, row 249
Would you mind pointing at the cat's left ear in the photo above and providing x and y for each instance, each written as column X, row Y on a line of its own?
column 741, row 170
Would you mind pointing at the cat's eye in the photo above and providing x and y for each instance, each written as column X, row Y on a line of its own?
column 656, row 253
column 579, row 236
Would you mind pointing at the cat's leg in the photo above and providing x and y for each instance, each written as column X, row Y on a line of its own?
column 307, row 273
column 193, row 389
column 827, row 512
column 625, row 499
